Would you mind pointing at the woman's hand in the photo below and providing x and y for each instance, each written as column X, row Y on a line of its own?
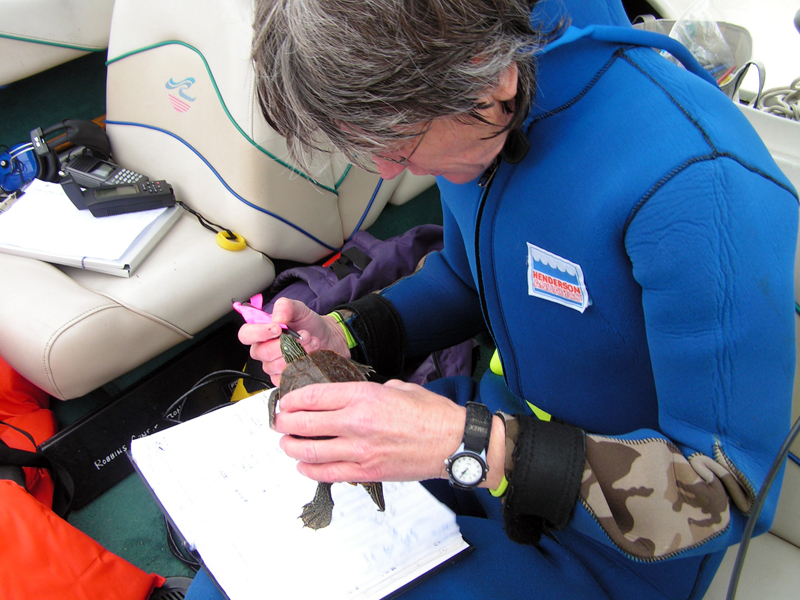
column 392, row 432
column 316, row 332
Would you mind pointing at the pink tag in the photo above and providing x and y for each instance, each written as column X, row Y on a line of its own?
column 252, row 312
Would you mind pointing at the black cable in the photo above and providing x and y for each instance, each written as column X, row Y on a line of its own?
column 757, row 506
column 179, row 549
column 208, row 224
column 214, row 377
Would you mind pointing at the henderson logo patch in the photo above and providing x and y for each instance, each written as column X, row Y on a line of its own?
column 556, row 279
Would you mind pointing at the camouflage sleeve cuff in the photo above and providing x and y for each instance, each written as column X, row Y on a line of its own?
column 379, row 333
column 653, row 502
column 544, row 484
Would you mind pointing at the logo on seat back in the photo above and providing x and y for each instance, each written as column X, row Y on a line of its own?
column 183, row 103
column 556, row 279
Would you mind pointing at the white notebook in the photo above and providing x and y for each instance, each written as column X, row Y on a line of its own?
column 236, row 497
column 45, row 225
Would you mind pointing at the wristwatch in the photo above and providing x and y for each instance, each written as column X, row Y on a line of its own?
column 467, row 466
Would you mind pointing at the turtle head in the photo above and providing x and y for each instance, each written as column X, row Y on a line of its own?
column 291, row 348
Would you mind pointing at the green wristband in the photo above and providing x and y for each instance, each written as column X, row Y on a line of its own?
column 500, row 491
column 351, row 341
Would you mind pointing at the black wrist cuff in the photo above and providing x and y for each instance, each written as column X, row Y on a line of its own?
column 545, row 482
column 378, row 329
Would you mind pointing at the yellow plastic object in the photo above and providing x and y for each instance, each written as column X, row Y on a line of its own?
column 496, row 367
column 540, row 414
column 240, row 392
column 234, row 245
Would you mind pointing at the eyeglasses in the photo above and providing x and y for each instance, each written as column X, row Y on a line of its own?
column 404, row 160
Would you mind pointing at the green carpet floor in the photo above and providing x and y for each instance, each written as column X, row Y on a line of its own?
column 125, row 519
column 74, row 90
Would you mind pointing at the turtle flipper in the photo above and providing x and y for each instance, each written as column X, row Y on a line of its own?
column 375, row 491
column 317, row 514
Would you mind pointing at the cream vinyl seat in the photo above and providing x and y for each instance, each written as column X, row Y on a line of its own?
column 36, row 35
column 772, row 564
column 181, row 107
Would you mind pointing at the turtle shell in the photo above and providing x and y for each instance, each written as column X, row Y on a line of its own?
column 322, row 366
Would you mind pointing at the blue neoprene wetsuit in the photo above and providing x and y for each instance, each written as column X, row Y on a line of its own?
column 635, row 271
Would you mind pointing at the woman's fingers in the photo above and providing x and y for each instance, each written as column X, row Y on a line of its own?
column 397, row 432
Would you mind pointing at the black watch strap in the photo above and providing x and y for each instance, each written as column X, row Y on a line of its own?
column 478, row 427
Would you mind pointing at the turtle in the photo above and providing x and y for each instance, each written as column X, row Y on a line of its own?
column 321, row 366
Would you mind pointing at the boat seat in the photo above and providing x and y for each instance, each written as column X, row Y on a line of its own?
column 36, row 35
column 181, row 107
column 772, row 563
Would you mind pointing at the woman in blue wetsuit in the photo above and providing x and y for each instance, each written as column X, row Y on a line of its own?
column 622, row 233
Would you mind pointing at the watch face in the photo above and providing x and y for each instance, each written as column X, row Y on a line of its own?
column 467, row 470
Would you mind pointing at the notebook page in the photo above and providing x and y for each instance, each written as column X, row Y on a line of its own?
column 236, row 497
column 44, row 219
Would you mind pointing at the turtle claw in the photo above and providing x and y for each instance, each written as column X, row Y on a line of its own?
column 375, row 491
column 318, row 513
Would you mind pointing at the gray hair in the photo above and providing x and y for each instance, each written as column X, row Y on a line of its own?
column 365, row 76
